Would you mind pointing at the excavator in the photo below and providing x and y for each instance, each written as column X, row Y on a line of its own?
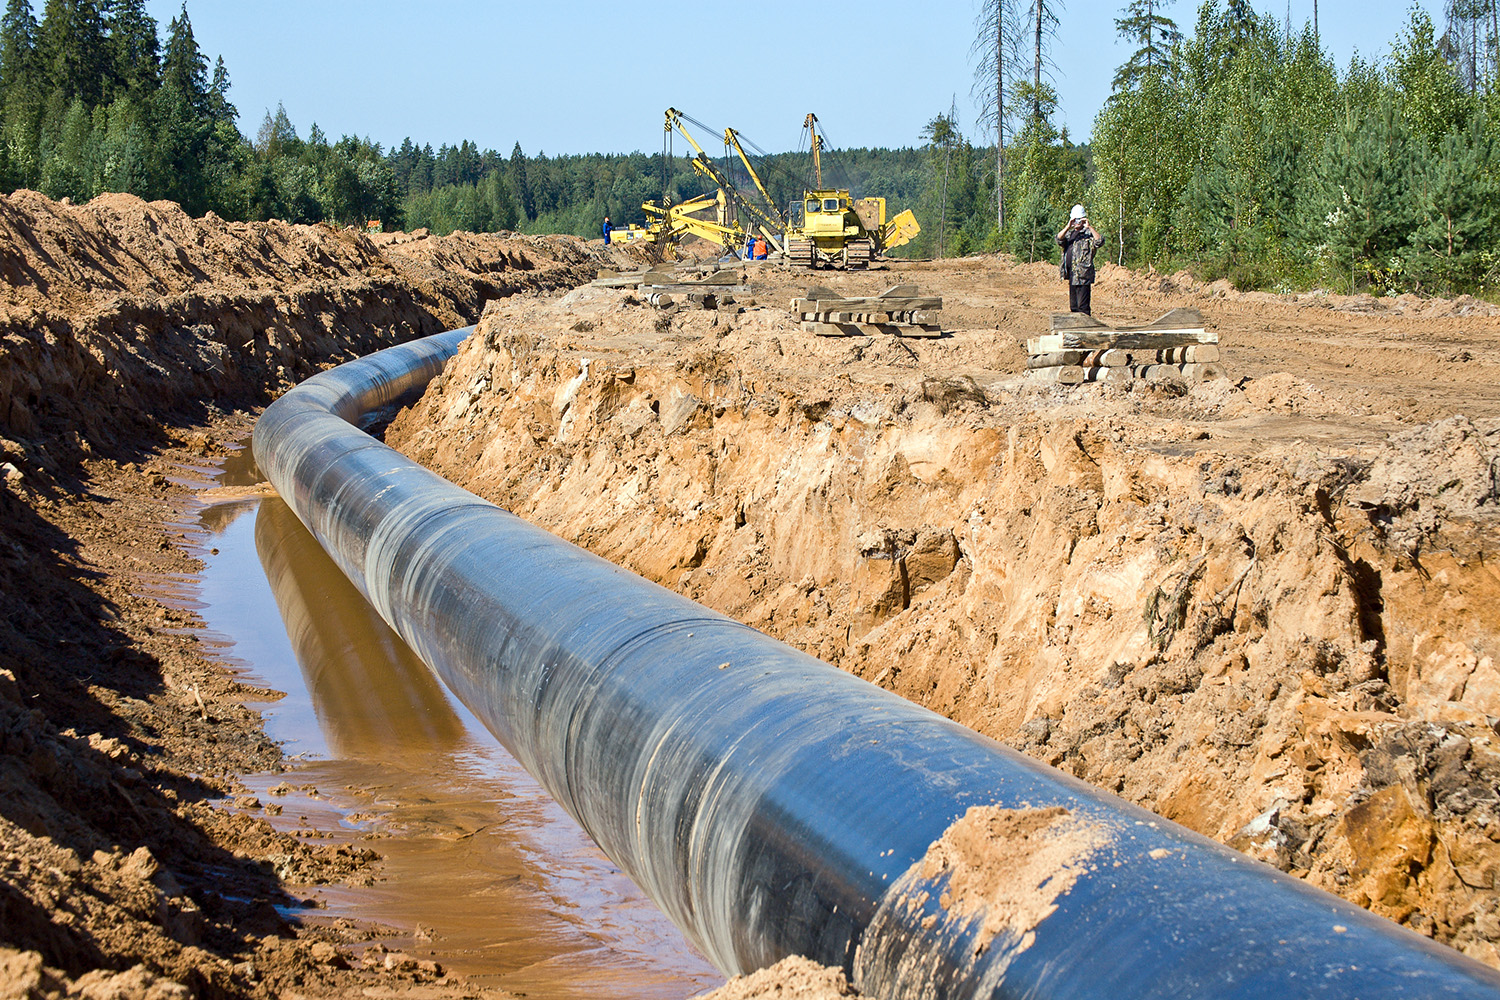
column 836, row 229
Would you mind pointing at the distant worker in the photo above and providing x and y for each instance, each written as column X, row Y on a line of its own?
column 1079, row 242
column 761, row 249
column 606, row 229
column 750, row 246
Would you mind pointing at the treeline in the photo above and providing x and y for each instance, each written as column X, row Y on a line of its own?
column 92, row 101
column 462, row 187
column 1239, row 149
column 1253, row 155
column 1242, row 150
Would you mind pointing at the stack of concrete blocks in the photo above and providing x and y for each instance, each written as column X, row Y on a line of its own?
column 899, row 311
column 1081, row 349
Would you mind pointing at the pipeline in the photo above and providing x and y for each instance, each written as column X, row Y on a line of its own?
column 772, row 804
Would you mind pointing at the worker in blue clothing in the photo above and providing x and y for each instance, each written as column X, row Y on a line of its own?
column 606, row 229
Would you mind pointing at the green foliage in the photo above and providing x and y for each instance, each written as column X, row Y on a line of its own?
column 1155, row 36
column 1261, row 162
column 1457, row 209
column 1241, row 149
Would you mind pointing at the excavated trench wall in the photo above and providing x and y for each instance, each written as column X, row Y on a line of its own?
column 120, row 315
column 1212, row 632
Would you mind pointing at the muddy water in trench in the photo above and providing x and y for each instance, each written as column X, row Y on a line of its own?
column 481, row 869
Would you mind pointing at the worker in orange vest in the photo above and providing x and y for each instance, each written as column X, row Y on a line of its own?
column 760, row 248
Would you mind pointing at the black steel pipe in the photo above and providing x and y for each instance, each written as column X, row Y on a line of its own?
column 772, row 804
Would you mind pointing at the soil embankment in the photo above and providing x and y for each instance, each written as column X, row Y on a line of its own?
column 132, row 341
column 1265, row 608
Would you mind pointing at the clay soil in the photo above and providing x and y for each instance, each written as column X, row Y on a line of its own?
column 1263, row 607
column 1266, row 607
column 135, row 343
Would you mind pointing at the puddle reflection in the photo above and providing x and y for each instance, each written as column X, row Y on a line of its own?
column 505, row 887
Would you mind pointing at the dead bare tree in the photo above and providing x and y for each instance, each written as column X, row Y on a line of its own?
column 997, row 61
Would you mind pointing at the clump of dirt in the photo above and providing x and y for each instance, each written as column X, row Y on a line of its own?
column 1264, row 608
column 1006, row 868
column 792, row 978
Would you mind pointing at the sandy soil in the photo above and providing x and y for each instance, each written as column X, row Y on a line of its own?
column 1314, row 541
column 1265, row 607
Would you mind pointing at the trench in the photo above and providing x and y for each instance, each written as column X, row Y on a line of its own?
column 481, row 870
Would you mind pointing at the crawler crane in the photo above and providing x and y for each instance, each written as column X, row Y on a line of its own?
column 837, row 230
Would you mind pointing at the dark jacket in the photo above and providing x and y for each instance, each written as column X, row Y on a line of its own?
column 1079, row 247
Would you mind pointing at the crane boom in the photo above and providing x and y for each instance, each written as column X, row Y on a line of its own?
column 732, row 139
column 809, row 123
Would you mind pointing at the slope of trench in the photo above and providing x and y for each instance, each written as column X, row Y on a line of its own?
column 1254, row 617
column 479, row 870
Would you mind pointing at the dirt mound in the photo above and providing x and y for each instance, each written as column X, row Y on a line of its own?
column 1243, row 604
column 117, row 313
column 792, row 978
column 121, row 321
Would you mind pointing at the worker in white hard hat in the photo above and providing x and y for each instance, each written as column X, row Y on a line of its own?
column 1079, row 242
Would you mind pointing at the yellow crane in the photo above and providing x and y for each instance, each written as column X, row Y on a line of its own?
column 831, row 227
column 671, row 222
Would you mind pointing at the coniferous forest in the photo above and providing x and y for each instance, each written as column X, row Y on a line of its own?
column 1237, row 148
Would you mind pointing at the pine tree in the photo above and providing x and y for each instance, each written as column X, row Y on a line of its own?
column 219, row 108
column 277, row 136
column 134, row 49
column 520, row 184
column 18, row 52
column 998, row 49
column 942, row 136
column 184, row 67
column 1044, row 17
column 1155, row 36
column 73, row 49
column 1364, row 207
column 1458, row 212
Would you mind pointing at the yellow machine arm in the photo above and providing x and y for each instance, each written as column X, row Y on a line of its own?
column 674, row 221
column 704, row 164
column 810, row 125
column 732, row 139
column 899, row 230
column 674, row 120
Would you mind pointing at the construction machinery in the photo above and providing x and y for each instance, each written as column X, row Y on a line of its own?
column 836, row 229
column 828, row 227
column 668, row 223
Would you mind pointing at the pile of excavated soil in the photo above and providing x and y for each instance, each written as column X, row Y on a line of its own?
column 1266, row 607
column 118, row 313
column 792, row 978
column 132, row 339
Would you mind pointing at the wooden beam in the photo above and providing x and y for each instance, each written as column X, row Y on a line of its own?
column 1074, row 321
column 870, row 304
column 1107, row 339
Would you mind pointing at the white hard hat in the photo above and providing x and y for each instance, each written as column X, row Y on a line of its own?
column 1077, row 213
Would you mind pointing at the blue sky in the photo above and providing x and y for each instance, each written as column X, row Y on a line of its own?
column 575, row 76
